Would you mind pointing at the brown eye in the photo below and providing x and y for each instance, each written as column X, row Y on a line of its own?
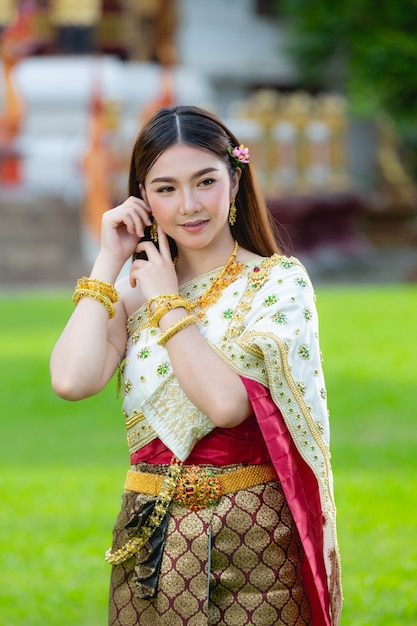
column 206, row 182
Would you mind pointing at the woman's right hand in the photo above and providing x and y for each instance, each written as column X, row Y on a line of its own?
column 122, row 228
column 90, row 347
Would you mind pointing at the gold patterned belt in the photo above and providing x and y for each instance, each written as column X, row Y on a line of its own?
column 198, row 487
column 191, row 486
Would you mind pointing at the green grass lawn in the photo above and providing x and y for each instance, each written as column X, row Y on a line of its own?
column 63, row 464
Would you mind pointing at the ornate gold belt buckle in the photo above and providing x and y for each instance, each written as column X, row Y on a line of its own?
column 197, row 488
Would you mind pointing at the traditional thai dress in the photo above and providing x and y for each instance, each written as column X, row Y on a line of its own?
column 260, row 546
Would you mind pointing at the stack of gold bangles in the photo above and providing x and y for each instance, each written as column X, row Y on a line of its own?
column 97, row 290
column 106, row 294
column 164, row 303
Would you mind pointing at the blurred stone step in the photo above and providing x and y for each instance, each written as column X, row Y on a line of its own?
column 39, row 240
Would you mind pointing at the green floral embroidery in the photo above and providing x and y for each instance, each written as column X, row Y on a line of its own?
column 270, row 300
column 304, row 351
column 301, row 388
column 300, row 281
column 280, row 318
column 144, row 353
column 286, row 264
column 308, row 314
column 163, row 369
column 228, row 314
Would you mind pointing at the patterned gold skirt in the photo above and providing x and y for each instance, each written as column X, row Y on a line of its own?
column 250, row 574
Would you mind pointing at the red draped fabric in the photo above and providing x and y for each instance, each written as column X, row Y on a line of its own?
column 223, row 446
column 301, row 491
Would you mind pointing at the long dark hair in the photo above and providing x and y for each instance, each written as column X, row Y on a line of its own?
column 196, row 127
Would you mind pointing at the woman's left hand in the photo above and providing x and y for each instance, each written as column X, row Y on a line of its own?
column 157, row 275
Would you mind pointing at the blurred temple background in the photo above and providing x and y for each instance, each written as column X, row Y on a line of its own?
column 325, row 98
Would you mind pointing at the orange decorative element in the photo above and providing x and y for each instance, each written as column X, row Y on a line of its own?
column 98, row 164
column 16, row 42
column 165, row 97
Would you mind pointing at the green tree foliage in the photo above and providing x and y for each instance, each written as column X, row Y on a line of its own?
column 366, row 48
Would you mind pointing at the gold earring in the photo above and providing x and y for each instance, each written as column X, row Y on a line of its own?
column 154, row 230
column 232, row 213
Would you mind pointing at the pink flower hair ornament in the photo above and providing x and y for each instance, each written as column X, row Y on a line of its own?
column 239, row 155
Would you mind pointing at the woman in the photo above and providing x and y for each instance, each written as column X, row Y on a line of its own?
column 227, row 514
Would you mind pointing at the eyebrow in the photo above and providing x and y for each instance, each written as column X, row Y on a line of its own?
column 170, row 179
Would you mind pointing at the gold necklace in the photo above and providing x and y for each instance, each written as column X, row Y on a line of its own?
column 227, row 275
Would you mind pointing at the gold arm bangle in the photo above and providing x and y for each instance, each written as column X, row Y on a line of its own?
column 99, row 297
column 99, row 286
column 161, row 309
column 163, row 298
column 175, row 328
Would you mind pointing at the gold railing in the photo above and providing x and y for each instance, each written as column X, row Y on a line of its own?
column 300, row 140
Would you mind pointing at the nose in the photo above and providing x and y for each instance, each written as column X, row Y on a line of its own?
column 189, row 202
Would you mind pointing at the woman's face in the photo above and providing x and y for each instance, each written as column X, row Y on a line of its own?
column 189, row 191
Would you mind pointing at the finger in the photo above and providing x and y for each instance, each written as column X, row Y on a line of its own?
column 119, row 216
column 135, row 268
column 131, row 226
column 138, row 224
column 136, row 219
column 150, row 249
column 143, row 209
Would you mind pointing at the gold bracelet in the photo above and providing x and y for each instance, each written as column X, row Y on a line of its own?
column 163, row 308
column 89, row 293
column 175, row 328
column 98, row 286
column 165, row 302
column 163, row 298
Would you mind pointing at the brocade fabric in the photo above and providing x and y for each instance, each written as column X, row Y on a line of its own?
column 255, row 573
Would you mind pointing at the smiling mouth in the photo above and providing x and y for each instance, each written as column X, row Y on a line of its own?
column 194, row 224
